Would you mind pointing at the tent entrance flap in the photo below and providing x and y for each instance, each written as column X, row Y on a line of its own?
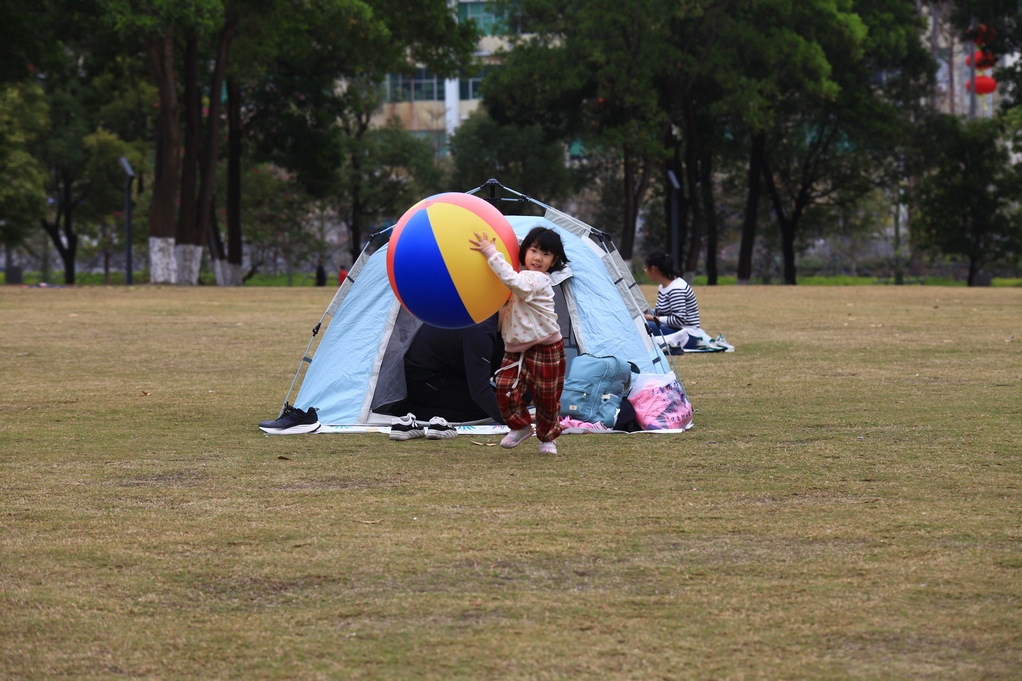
column 389, row 383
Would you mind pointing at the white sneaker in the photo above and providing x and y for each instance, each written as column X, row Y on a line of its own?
column 439, row 429
column 406, row 428
column 515, row 437
column 548, row 447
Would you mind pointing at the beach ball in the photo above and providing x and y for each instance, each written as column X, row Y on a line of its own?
column 432, row 269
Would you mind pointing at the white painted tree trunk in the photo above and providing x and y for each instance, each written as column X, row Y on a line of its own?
column 189, row 260
column 162, row 261
column 226, row 273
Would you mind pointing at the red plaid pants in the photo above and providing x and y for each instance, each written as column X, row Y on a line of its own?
column 542, row 374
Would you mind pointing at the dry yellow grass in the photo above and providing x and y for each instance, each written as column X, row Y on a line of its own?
column 847, row 505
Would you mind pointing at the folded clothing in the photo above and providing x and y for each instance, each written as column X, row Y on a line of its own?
column 569, row 422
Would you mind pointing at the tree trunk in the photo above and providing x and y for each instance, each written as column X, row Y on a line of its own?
column 787, row 223
column 357, row 130
column 671, row 209
column 68, row 256
column 755, row 181
column 211, row 149
column 788, row 251
column 234, row 157
column 162, row 211
column 630, row 213
column 188, row 247
column 44, row 255
column 710, row 213
column 61, row 230
column 636, row 182
column 225, row 273
column 675, row 208
column 64, row 239
column 692, row 177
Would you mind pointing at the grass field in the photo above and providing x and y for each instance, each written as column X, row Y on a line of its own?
column 848, row 504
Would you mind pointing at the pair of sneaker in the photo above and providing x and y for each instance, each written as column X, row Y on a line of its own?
column 516, row 437
column 291, row 421
column 407, row 428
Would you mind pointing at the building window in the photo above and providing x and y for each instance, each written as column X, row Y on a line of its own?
column 470, row 88
column 422, row 86
column 484, row 14
column 492, row 20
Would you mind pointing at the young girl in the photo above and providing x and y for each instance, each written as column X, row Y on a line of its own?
column 534, row 352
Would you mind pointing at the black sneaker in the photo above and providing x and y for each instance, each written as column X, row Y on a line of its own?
column 406, row 428
column 292, row 421
column 439, row 429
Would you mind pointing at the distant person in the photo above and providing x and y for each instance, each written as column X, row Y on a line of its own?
column 342, row 274
column 320, row 274
column 448, row 376
column 676, row 307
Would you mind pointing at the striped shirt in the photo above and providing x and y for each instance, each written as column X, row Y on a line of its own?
column 676, row 305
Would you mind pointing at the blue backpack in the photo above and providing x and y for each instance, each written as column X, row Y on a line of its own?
column 594, row 388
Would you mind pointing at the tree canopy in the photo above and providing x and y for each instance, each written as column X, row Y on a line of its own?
column 967, row 198
column 675, row 124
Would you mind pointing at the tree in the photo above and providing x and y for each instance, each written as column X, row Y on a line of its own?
column 833, row 114
column 310, row 108
column 157, row 28
column 384, row 172
column 35, row 32
column 966, row 202
column 64, row 152
column 772, row 63
column 589, row 72
column 202, row 140
column 286, row 91
column 80, row 151
column 275, row 212
column 23, row 117
column 517, row 156
column 60, row 57
column 99, row 216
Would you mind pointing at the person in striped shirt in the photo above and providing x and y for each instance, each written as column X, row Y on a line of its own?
column 676, row 306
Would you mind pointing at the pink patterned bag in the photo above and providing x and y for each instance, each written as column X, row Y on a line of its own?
column 660, row 402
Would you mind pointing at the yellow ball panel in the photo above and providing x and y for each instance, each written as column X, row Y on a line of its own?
column 482, row 293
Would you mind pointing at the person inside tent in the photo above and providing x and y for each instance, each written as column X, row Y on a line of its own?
column 448, row 376
column 676, row 307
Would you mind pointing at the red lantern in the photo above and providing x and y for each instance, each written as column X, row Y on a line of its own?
column 981, row 35
column 984, row 85
column 984, row 59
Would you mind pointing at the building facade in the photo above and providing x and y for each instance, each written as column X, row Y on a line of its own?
column 431, row 107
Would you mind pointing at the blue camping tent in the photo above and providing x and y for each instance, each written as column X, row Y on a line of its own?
column 357, row 364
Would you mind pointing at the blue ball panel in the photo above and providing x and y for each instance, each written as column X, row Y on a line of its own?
column 421, row 277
